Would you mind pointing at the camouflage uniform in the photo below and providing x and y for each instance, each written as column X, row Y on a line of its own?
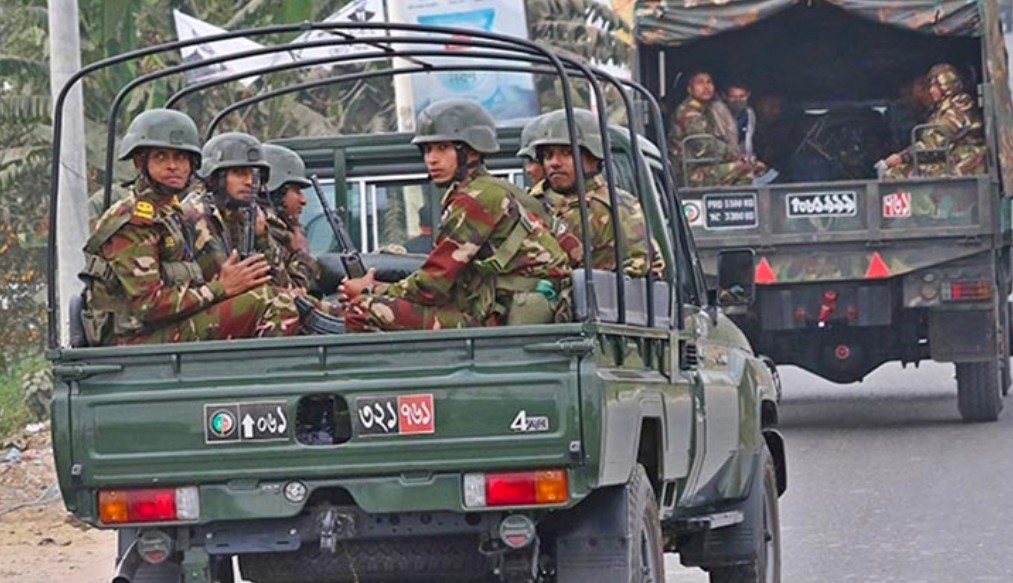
column 957, row 127
column 694, row 117
column 217, row 231
column 565, row 211
column 302, row 269
column 565, row 208
column 220, row 227
column 460, row 284
column 491, row 255
column 144, row 286
column 287, row 169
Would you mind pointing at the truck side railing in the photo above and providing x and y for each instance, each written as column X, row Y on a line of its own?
column 500, row 47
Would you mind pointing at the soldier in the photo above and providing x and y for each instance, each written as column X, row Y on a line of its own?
column 532, row 166
column 956, row 125
column 233, row 170
column 714, row 137
column 142, row 283
column 493, row 261
column 284, row 189
column 559, row 195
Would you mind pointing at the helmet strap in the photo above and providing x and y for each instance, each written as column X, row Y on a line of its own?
column 464, row 167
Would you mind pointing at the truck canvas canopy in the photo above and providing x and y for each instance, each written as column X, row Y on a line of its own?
column 823, row 51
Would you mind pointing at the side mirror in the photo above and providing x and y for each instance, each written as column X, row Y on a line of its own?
column 736, row 277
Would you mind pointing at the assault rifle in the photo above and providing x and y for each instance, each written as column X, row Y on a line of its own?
column 351, row 259
column 248, row 245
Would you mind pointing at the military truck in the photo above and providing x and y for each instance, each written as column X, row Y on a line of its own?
column 559, row 452
column 854, row 271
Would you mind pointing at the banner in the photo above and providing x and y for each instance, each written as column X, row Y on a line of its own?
column 357, row 11
column 506, row 95
column 188, row 27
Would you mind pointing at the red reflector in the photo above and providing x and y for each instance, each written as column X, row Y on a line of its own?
column 764, row 273
column 506, row 489
column 877, row 267
column 842, row 352
column 969, row 290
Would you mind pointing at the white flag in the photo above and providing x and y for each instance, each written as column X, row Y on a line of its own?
column 188, row 27
column 357, row 11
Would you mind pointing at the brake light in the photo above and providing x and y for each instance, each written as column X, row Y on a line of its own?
column 961, row 291
column 148, row 505
column 524, row 488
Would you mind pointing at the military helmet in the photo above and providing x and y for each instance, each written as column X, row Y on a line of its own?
column 553, row 131
column 286, row 167
column 947, row 77
column 528, row 135
column 233, row 150
column 161, row 128
column 457, row 120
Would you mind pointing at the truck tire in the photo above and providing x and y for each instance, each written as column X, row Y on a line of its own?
column 430, row 560
column 979, row 391
column 627, row 514
column 766, row 564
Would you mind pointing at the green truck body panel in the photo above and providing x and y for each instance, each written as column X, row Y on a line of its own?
column 140, row 419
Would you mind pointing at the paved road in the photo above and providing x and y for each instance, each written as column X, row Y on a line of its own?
column 886, row 485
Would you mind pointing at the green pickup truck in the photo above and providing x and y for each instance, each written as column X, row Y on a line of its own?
column 560, row 452
column 854, row 270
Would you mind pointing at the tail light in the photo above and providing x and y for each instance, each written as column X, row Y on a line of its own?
column 149, row 505
column 827, row 306
column 525, row 488
column 967, row 291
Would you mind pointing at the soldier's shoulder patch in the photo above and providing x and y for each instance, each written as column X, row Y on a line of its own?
column 144, row 212
column 169, row 241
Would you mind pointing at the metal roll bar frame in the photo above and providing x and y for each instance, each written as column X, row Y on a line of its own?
column 502, row 48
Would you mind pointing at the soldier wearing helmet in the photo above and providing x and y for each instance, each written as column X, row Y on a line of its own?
column 955, row 125
column 494, row 261
column 705, row 136
column 559, row 195
column 284, row 189
column 143, row 284
column 234, row 171
column 532, row 166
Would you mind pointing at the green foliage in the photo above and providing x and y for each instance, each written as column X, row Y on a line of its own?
column 13, row 412
column 110, row 27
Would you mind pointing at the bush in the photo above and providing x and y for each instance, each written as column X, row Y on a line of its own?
column 14, row 414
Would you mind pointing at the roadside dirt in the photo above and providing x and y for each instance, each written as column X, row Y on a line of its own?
column 39, row 541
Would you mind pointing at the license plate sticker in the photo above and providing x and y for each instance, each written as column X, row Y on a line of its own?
column 734, row 210
column 822, row 204
column 395, row 415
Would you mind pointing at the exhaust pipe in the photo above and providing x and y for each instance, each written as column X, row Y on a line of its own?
column 128, row 564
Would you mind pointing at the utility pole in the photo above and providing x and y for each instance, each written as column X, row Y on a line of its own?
column 72, row 216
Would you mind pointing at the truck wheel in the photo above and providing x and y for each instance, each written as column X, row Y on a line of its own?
column 621, row 513
column 644, row 528
column 979, row 390
column 766, row 564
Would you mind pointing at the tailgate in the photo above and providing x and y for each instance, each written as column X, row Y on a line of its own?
column 845, row 230
column 397, row 403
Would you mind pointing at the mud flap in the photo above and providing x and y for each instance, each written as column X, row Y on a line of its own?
column 593, row 548
column 732, row 545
